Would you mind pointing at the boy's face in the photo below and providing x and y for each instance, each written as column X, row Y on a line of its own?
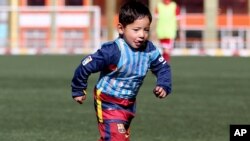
column 136, row 33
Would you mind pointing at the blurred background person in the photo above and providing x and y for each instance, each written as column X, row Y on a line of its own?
column 167, row 15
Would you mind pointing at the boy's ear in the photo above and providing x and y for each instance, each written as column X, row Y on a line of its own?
column 120, row 28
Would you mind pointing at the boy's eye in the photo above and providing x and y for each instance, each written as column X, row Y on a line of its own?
column 136, row 29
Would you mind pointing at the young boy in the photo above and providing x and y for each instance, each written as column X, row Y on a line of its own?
column 123, row 64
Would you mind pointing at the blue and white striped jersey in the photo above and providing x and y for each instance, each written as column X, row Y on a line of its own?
column 122, row 68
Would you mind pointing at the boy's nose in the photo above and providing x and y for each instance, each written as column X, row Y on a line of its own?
column 141, row 34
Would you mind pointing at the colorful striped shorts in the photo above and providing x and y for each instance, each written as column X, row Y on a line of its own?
column 114, row 116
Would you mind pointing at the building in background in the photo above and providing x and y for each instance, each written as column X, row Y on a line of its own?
column 50, row 27
column 3, row 25
column 221, row 27
column 208, row 27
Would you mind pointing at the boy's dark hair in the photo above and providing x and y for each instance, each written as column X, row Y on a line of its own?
column 133, row 10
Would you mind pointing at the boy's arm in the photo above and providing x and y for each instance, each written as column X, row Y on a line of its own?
column 162, row 71
column 91, row 64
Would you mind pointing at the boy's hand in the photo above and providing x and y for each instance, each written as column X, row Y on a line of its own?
column 80, row 99
column 160, row 92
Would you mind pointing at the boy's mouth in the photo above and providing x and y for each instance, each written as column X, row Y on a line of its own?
column 138, row 43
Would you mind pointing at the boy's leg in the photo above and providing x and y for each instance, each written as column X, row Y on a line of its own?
column 113, row 131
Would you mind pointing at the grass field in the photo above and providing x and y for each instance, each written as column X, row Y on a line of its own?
column 209, row 94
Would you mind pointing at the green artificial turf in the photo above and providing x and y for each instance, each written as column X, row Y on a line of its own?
column 209, row 94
